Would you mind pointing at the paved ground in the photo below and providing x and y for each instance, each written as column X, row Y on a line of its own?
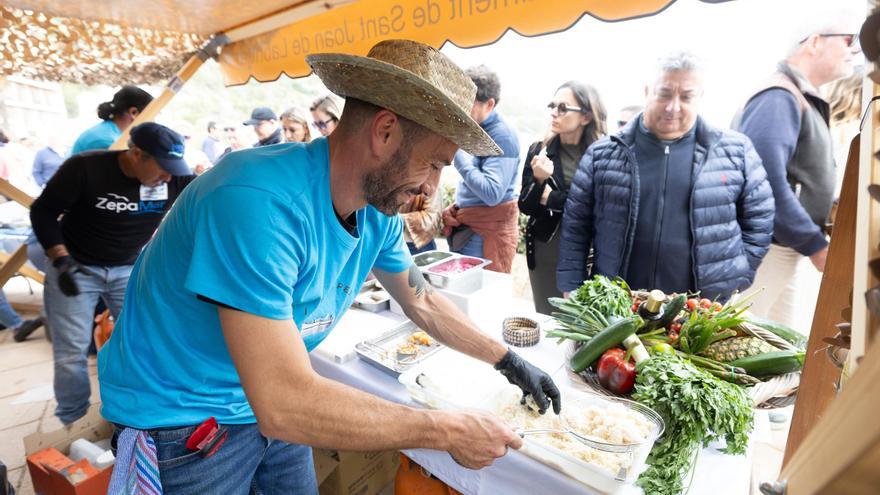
column 28, row 366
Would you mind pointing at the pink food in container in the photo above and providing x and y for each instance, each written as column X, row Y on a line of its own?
column 455, row 266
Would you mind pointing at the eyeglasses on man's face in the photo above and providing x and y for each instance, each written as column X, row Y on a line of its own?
column 562, row 108
column 849, row 38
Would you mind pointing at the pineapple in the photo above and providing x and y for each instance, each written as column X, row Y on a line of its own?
column 736, row 348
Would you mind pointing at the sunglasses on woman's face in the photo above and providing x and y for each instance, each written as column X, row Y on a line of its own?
column 563, row 108
column 322, row 124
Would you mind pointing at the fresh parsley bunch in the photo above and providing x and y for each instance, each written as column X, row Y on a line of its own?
column 607, row 297
column 697, row 408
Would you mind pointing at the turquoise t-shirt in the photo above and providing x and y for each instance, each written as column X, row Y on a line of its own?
column 259, row 233
column 98, row 137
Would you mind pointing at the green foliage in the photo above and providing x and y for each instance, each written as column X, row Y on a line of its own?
column 605, row 296
column 697, row 409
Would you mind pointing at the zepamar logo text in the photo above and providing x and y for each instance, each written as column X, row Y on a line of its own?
column 116, row 203
column 121, row 204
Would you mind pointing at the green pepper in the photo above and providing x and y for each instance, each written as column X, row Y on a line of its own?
column 662, row 349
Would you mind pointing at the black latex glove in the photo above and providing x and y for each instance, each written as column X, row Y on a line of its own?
column 66, row 267
column 531, row 380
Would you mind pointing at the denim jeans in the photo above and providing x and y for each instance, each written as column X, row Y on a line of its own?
column 72, row 321
column 473, row 246
column 8, row 317
column 413, row 250
column 246, row 464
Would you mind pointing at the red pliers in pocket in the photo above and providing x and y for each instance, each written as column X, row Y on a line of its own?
column 207, row 438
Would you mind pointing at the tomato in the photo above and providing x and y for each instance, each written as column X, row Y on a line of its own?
column 717, row 306
column 705, row 303
column 691, row 304
column 676, row 327
column 635, row 307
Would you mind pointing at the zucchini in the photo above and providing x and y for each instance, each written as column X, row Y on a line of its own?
column 792, row 336
column 771, row 363
column 671, row 310
column 609, row 337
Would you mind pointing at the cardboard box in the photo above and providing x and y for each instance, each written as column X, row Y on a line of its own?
column 52, row 472
column 354, row 473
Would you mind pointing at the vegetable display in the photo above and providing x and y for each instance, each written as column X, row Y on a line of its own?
column 689, row 358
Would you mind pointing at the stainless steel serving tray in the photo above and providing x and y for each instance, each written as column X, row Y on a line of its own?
column 364, row 301
column 381, row 351
column 464, row 282
column 428, row 258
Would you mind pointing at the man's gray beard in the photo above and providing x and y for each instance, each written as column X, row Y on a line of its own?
column 380, row 187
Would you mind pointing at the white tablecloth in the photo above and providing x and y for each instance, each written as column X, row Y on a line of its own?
column 516, row 473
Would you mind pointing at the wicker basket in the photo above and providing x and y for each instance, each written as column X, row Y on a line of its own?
column 779, row 391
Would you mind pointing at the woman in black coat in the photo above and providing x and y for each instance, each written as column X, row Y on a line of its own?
column 577, row 120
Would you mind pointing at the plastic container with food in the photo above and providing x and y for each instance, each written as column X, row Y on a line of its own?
column 460, row 274
column 620, row 434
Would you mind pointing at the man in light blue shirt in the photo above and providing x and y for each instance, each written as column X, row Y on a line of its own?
column 257, row 262
column 483, row 220
column 47, row 161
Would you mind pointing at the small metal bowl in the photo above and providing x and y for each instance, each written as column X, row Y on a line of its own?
column 519, row 331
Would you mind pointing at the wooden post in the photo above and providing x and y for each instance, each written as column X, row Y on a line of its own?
column 13, row 264
column 173, row 87
column 27, row 271
column 841, row 453
column 819, row 378
column 15, row 193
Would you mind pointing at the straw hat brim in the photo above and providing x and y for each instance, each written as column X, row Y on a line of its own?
column 404, row 93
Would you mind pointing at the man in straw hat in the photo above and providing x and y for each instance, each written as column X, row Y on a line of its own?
column 256, row 264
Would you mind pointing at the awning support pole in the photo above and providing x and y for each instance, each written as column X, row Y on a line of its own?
column 175, row 84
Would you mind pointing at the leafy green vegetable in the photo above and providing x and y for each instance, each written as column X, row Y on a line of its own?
column 705, row 327
column 607, row 297
column 697, row 408
column 576, row 318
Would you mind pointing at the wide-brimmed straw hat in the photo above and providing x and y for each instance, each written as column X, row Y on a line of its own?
column 414, row 81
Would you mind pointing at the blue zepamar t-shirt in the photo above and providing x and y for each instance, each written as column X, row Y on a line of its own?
column 259, row 233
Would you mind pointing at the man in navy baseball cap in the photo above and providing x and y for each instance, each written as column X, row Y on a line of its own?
column 93, row 219
column 266, row 126
column 163, row 144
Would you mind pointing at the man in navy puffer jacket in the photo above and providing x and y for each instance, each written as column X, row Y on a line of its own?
column 670, row 202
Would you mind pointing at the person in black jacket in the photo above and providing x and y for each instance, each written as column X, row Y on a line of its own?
column 577, row 120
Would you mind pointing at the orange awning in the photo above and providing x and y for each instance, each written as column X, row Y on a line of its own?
column 117, row 41
column 355, row 27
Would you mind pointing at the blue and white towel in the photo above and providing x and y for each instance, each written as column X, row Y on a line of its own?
column 137, row 467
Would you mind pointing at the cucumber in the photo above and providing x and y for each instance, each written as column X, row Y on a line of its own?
column 771, row 363
column 671, row 310
column 792, row 336
column 609, row 337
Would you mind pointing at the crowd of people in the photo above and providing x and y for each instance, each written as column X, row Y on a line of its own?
column 279, row 234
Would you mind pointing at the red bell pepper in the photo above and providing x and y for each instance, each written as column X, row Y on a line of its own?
column 616, row 373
